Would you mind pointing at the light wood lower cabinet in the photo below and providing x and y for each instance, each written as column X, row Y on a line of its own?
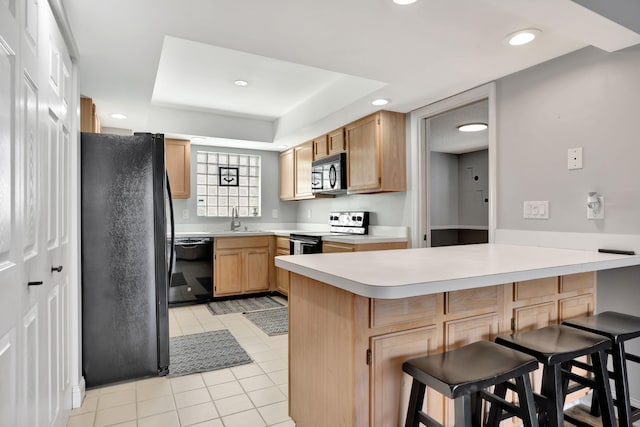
column 242, row 265
column 370, row 339
column 331, row 247
column 388, row 395
column 282, row 275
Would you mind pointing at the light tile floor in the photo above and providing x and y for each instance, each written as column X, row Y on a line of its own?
column 251, row 395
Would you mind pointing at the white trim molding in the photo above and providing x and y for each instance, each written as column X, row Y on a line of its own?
column 77, row 393
column 420, row 158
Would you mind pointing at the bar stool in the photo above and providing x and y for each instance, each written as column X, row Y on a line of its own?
column 555, row 346
column 462, row 374
column 618, row 328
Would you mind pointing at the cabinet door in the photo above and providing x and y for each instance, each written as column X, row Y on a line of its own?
column 287, row 176
column 320, row 149
column 303, row 158
column 390, row 387
column 282, row 275
column 178, row 163
column 579, row 306
column 337, row 142
column 363, row 154
column 534, row 317
column 330, row 247
column 228, row 272
column 256, row 269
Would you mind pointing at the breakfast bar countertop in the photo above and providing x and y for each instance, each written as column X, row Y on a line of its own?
column 405, row 273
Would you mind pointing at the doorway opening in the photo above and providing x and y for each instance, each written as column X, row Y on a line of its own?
column 458, row 178
column 453, row 175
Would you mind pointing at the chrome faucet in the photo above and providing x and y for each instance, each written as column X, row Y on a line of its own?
column 235, row 222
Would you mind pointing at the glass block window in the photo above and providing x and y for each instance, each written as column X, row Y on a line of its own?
column 225, row 181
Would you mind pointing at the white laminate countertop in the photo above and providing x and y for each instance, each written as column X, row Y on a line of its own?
column 341, row 238
column 405, row 273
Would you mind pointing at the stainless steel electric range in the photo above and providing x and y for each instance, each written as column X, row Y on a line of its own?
column 340, row 223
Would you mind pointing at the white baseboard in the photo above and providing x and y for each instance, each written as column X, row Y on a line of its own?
column 566, row 240
column 77, row 394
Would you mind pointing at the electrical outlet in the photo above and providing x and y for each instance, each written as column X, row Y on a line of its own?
column 309, row 213
column 574, row 158
column 274, row 213
column 185, row 213
column 596, row 212
column 536, row 209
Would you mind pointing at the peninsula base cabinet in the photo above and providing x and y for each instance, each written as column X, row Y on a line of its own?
column 356, row 345
column 242, row 265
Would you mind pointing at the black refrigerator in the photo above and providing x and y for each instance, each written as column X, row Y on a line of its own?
column 126, row 216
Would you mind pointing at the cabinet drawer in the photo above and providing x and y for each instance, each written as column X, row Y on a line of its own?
column 282, row 243
column 241, row 242
column 575, row 282
column 535, row 288
column 387, row 312
column 471, row 300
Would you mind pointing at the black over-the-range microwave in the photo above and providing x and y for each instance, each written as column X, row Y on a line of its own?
column 329, row 175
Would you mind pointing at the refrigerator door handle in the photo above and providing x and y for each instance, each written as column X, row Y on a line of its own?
column 173, row 232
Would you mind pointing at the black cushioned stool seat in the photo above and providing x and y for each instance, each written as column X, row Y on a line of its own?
column 556, row 346
column 618, row 328
column 462, row 374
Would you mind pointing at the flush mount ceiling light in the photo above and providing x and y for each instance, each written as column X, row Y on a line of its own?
column 404, row 2
column 522, row 37
column 118, row 116
column 472, row 127
column 380, row 101
column 241, row 83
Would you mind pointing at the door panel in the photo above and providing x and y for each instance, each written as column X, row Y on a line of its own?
column 35, row 142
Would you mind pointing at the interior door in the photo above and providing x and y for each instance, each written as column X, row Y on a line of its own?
column 35, row 107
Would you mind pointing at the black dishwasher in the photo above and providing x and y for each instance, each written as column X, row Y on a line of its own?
column 192, row 279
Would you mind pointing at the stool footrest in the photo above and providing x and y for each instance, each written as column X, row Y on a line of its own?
column 633, row 358
column 576, row 421
column 427, row 420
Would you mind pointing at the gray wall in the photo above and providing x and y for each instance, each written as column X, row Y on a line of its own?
column 456, row 197
column 472, row 209
column 391, row 209
column 443, row 173
column 586, row 99
column 270, row 192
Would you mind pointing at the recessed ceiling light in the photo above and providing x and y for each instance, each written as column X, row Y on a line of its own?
column 242, row 83
column 118, row 116
column 380, row 101
column 283, row 146
column 404, row 2
column 522, row 37
column 472, row 127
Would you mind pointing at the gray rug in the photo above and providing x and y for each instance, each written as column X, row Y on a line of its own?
column 243, row 304
column 203, row 352
column 272, row 322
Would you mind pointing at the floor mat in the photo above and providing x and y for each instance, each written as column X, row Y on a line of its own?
column 243, row 304
column 272, row 322
column 207, row 351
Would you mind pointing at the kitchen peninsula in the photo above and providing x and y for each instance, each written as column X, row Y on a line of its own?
column 355, row 317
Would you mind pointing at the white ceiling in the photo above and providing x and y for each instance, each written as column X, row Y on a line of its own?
column 312, row 65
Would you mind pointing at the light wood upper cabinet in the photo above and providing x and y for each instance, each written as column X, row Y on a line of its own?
column 177, row 154
column 287, row 175
column 376, row 153
column 242, row 265
column 295, row 172
column 303, row 156
column 336, row 142
column 89, row 121
column 320, row 147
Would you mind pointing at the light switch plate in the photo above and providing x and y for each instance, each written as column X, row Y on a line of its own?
column 536, row 209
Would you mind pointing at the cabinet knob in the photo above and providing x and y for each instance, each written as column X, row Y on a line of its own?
column 57, row 269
